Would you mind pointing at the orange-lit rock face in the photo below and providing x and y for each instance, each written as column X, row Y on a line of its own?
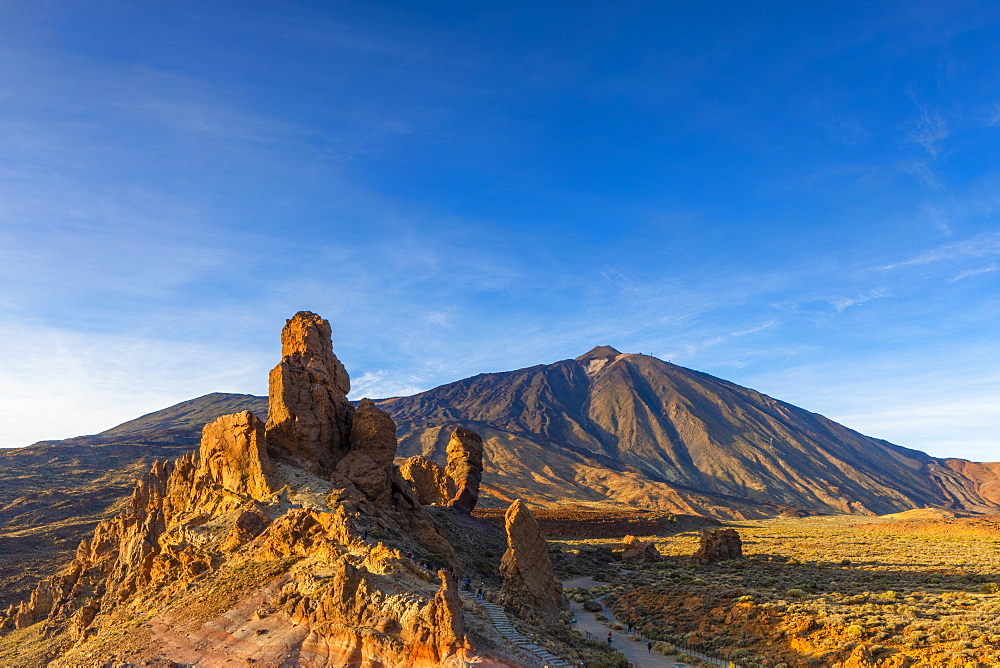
column 455, row 485
column 428, row 480
column 528, row 579
column 309, row 416
column 233, row 454
column 465, row 467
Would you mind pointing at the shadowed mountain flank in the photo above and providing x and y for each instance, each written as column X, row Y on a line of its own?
column 623, row 428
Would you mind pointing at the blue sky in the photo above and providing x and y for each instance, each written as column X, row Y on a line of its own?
column 803, row 198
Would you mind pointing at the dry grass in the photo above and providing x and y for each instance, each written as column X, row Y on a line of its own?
column 810, row 590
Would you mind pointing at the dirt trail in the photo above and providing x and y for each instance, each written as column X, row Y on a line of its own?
column 634, row 650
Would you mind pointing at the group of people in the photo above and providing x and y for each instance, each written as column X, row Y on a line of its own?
column 649, row 645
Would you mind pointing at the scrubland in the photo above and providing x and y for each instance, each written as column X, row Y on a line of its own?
column 819, row 591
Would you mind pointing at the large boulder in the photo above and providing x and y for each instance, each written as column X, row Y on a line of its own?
column 719, row 545
column 428, row 480
column 465, row 468
column 528, row 579
column 368, row 464
column 309, row 417
column 233, row 455
column 636, row 550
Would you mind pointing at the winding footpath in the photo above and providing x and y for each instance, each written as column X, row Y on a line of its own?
column 633, row 647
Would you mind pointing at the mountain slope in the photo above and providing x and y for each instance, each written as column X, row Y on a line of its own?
column 608, row 427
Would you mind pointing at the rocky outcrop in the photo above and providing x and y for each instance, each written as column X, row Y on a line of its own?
column 719, row 545
column 641, row 551
column 309, row 417
column 234, row 456
column 368, row 464
column 428, row 480
column 219, row 547
column 455, row 485
column 528, row 579
column 465, row 468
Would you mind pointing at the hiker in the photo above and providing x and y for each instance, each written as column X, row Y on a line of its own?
column 468, row 584
column 649, row 648
column 630, row 627
column 609, row 638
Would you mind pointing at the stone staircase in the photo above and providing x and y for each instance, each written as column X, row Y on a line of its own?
column 502, row 623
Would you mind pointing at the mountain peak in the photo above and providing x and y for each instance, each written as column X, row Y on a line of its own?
column 598, row 352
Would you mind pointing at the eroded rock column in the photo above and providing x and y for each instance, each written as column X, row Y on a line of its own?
column 465, row 468
column 309, row 416
column 528, row 579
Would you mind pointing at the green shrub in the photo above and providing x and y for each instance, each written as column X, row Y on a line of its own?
column 990, row 588
column 795, row 592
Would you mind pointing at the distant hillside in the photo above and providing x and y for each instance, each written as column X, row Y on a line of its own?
column 192, row 415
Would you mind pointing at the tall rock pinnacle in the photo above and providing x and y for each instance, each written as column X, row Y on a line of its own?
column 465, row 467
column 309, row 416
column 528, row 578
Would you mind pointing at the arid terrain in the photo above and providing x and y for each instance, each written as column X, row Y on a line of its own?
column 822, row 591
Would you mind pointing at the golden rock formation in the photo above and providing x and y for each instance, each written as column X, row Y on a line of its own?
column 528, row 579
column 639, row 550
column 456, row 484
column 428, row 480
column 309, row 416
column 719, row 545
column 232, row 555
column 465, row 467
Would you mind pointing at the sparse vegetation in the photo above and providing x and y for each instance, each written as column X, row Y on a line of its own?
column 928, row 596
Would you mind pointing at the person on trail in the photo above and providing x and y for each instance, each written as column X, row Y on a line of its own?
column 630, row 627
column 649, row 648
column 609, row 638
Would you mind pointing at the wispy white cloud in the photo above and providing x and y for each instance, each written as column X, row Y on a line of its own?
column 59, row 383
column 944, row 401
column 940, row 218
column 842, row 303
column 928, row 132
column 922, row 172
column 379, row 384
column 969, row 273
column 984, row 244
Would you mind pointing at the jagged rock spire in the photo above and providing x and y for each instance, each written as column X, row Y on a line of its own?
column 528, row 578
column 309, row 416
column 465, row 467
